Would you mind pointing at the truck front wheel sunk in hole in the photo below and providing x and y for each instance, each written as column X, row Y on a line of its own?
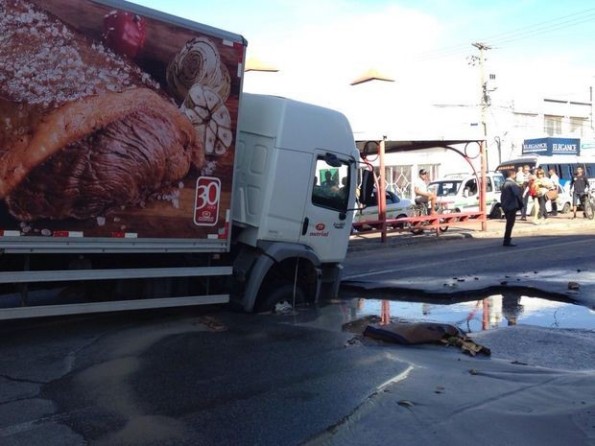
column 284, row 296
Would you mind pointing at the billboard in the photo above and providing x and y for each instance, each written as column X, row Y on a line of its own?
column 116, row 121
column 552, row 146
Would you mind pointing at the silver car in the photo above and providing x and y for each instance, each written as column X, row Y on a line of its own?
column 396, row 207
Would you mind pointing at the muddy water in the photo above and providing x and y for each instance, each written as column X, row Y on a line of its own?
column 483, row 314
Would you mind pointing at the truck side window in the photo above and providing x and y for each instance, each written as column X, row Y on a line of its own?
column 331, row 186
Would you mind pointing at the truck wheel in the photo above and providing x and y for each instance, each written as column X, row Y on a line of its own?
column 279, row 295
column 566, row 208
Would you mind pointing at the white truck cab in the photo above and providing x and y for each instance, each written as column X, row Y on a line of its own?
column 293, row 193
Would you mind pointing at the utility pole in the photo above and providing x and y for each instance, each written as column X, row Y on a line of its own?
column 482, row 47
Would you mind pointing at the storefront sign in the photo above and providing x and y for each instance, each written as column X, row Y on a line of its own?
column 552, row 146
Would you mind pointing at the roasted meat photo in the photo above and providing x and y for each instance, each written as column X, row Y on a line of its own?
column 83, row 131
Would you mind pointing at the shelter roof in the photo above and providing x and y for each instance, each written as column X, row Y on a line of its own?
column 371, row 147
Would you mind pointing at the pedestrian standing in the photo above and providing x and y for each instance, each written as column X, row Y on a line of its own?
column 542, row 186
column 579, row 187
column 525, row 190
column 555, row 179
column 520, row 177
column 511, row 201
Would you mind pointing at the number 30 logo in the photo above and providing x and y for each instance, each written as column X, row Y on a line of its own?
column 208, row 197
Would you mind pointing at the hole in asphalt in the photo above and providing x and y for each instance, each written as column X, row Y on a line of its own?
column 482, row 314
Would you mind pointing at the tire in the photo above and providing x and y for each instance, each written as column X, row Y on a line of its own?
column 443, row 211
column 399, row 225
column 280, row 294
column 566, row 208
column 496, row 212
column 418, row 212
column 589, row 211
column 442, row 228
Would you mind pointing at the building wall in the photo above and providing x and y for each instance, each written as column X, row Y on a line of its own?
column 507, row 126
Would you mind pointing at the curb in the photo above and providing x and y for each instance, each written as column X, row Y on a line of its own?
column 560, row 225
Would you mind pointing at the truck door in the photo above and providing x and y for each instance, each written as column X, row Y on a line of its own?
column 327, row 224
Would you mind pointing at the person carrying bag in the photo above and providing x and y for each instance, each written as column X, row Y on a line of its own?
column 544, row 187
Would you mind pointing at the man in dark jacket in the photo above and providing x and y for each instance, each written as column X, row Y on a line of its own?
column 511, row 200
column 579, row 187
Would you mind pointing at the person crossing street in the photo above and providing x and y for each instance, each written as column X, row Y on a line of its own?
column 511, row 202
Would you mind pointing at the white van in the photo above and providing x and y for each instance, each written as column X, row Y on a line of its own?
column 460, row 193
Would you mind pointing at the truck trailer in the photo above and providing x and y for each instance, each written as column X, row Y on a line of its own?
column 135, row 173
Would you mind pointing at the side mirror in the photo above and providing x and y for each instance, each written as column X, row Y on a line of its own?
column 332, row 160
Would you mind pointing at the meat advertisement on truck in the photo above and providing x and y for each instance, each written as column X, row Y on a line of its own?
column 115, row 123
column 129, row 155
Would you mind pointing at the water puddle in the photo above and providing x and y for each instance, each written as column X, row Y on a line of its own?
column 483, row 314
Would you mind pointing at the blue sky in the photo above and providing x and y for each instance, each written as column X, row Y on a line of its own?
column 540, row 47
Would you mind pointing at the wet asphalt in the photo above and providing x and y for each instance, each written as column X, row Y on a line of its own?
column 206, row 375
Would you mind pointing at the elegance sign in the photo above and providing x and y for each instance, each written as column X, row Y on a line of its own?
column 552, row 146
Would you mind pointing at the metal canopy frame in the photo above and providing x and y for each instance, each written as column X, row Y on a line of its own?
column 383, row 146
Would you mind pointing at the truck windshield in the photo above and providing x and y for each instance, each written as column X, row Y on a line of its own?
column 331, row 185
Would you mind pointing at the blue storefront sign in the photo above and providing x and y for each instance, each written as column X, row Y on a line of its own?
column 552, row 146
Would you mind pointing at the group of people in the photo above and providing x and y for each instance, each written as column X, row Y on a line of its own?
column 523, row 185
column 540, row 188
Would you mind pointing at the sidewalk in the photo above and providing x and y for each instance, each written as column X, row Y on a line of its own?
column 558, row 225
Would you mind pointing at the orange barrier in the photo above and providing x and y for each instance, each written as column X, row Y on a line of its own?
column 431, row 222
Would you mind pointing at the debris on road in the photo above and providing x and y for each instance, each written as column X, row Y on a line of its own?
column 573, row 286
column 414, row 333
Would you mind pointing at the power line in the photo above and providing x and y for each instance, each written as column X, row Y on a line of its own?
column 545, row 26
column 526, row 32
column 538, row 31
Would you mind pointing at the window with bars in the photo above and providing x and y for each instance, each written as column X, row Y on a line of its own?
column 399, row 179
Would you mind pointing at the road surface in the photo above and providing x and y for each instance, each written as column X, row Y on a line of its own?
column 208, row 376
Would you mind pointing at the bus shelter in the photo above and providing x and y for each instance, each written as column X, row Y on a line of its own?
column 470, row 150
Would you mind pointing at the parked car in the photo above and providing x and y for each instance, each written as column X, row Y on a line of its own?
column 396, row 207
column 460, row 193
column 564, row 202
